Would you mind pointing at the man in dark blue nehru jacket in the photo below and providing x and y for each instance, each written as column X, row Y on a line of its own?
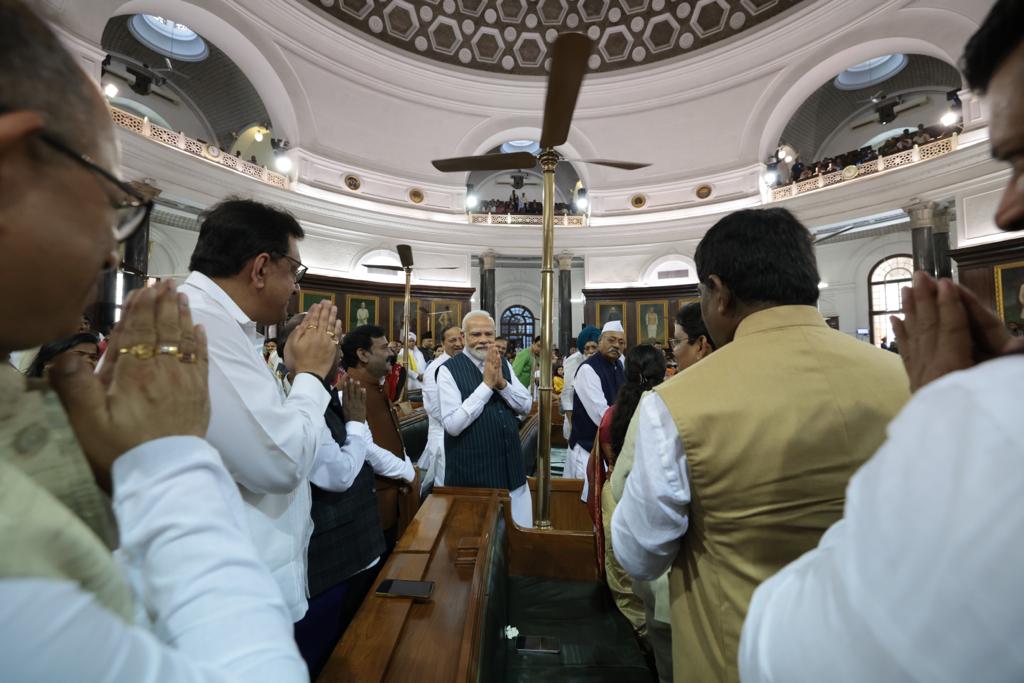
column 481, row 400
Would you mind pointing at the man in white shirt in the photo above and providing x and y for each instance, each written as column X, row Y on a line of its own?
column 586, row 344
column 186, row 597
column 596, row 387
column 417, row 363
column 921, row 578
column 245, row 268
column 432, row 460
column 480, row 400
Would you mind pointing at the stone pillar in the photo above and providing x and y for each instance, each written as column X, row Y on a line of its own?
column 940, row 243
column 921, row 221
column 487, row 259
column 564, row 301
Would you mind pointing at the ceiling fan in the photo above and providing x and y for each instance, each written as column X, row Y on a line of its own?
column 569, row 55
column 877, row 98
column 887, row 112
column 518, row 181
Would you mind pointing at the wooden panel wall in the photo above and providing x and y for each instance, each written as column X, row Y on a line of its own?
column 632, row 303
column 384, row 303
column 977, row 268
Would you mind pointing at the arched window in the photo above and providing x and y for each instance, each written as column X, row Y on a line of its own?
column 518, row 325
column 885, row 283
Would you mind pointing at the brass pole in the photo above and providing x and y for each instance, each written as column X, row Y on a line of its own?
column 405, row 333
column 542, row 512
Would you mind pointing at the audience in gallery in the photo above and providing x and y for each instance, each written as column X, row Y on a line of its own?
column 186, row 598
column 908, row 585
column 898, row 143
column 530, row 208
column 729, row 488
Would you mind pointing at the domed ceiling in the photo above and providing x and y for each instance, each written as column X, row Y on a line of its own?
column 513, row 36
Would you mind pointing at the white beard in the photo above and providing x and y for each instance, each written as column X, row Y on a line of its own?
column 479, row 355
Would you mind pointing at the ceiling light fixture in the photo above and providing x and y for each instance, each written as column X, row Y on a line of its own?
column 258, row 137
column 283, row 164
column 581, row 199
column 949, row 118
column 110, row 90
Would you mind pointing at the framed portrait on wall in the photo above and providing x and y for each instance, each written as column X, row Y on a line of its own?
column 443, row 312
column 360, row 309
column 397, row 309
column 1010, row 292
column 652, row 321
column 308, row 297
column 611, row 310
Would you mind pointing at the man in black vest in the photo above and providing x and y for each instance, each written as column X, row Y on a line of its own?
column 347, row 547
column 480, row 402
column 595, row 387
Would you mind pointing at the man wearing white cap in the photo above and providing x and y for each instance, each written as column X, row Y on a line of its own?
column 417, row 364
column 596, row 387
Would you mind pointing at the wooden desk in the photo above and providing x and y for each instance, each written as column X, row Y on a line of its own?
column 396, row 639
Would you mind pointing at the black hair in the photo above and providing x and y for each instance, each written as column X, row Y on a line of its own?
column 645, row 369
column 50, row 351
column 765, row 256
column 536, row 339
column 236, row 230
column 426, row 335
column 1000, row 34
column 360, row 338
column 690, row 319
column 444, row 331
column 40, row 75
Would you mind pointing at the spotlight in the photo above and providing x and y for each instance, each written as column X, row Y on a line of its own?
column 471, row 201
column 781, row 154
column 789, row 158
column 771, row 173
column 283, row 164
column 949, row 118
column 110, row 90
column 258, row 137
column 581, row 199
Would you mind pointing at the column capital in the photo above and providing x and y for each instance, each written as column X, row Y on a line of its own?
column 488, row 259
column 564, row 260
column 922, row 214
column 941, row 219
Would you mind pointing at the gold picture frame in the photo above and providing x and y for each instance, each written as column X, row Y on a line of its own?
column 355, row 304
column 308, row 297
column 607, row 311
column 395, row 305
column 443, row 312
column 650, row 328
column 1010, row 281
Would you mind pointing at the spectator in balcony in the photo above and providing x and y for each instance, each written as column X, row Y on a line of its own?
column 905, row 142
column 796, row 170
column 921, row 137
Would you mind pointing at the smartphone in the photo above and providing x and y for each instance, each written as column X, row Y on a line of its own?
column 544, row 645
column 399, row 588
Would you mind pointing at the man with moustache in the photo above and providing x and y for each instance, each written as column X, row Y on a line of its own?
column 480, row 402
column 586, row 346
column 432, row 460
column 595, row 387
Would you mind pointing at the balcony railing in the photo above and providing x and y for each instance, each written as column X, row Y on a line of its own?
column 561, row 220
column 142, row 126
column 881, row 164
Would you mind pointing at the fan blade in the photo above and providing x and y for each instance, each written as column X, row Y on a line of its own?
column 405, row 255
column 568, row 65
column 382, row 266
column 487, row 162
column 624, row 165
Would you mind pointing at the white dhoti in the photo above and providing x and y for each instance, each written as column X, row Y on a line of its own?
column 576, row 466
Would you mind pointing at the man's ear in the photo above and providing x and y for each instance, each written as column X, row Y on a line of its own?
column 258, row 270
column 723, row 298
column 363, row 355
column 15, row 126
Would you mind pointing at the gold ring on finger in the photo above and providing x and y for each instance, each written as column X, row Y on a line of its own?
column 142, row 351
column 332, row 335
column 311, row 327
column 168, row 350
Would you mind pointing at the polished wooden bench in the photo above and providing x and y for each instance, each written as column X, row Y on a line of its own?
column 488, row 573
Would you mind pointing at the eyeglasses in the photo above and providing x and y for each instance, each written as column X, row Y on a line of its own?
column 131, row 210
column 676, row 343
column 300, row 270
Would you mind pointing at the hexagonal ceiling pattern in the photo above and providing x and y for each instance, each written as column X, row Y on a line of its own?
column 514, row 36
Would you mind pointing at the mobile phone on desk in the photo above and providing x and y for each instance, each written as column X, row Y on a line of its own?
column 401, row 588
column 538, row 645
